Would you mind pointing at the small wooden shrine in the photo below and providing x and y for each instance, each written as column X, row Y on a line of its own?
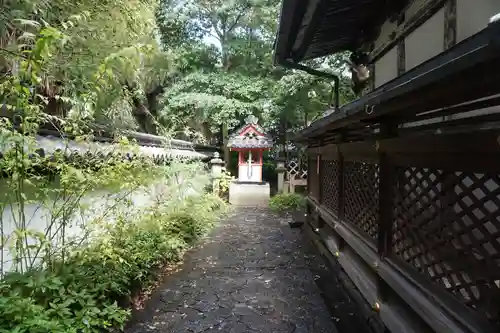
column 250, row 141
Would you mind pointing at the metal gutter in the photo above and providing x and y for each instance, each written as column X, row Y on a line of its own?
column 312, row 71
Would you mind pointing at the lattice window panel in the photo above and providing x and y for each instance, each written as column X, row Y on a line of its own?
column 361, row 183
column 447, row 226
column 329, row 185
column 313, row 185
column 297, row 169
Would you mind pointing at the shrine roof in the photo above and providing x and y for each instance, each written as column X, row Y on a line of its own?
column 247, row 127
column 250, row 136
column 250, row 143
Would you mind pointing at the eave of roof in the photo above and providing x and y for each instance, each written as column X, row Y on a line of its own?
column 245, row 142
column 314, row 28
column 251, row 146
column 243, row 128
column 151, row 146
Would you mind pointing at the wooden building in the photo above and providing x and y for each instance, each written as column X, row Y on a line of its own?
column 404, row 182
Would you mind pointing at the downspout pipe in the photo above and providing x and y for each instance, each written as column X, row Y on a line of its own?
column 335, row 78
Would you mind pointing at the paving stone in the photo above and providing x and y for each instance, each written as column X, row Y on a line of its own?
column 250, row 275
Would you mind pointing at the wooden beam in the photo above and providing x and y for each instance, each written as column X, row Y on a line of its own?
column 471, row 143
column 459, row 74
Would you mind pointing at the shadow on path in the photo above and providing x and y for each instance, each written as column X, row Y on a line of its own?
column 250, row 275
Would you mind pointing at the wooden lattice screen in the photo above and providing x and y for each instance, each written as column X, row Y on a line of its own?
column 447, row 227
column 330, row 186
column 435, row 216
column 361, row 196
column 296, row 168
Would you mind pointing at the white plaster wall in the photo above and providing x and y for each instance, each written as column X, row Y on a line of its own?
column 96, row 207
column 388, row 27
column 38, row 216
column 386, row 68
column 474, row 15
column 425, row 42
column 255, row 176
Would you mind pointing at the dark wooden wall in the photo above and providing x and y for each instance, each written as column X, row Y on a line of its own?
column 415, row 221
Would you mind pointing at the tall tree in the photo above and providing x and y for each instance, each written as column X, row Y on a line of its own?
column 239, row 84
column 243, row 79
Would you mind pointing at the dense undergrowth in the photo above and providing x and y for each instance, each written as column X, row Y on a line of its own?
column 74, row 268
column 84, row 293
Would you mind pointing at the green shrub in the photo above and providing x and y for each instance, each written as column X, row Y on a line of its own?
column 287, row 202
column 82, row 295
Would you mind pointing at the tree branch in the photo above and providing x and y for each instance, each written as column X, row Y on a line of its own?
column 20, row 55
column 216, row 28
column 209, row 15
column 216, row 36
column 243, row 11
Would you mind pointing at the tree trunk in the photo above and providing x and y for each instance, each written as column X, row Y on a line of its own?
column 141, row 112
column 225, row 137
column 152, row 97
column 225, row 130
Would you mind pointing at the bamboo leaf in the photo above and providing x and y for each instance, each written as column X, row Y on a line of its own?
column 27, row 23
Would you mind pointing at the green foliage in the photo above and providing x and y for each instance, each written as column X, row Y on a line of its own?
column 82, row 293
column 77, row 284
column 48, row 302
column 284, row 202
column 108, row 57
column 222, row 184
column 59, row 280
column 214, row 98
column 243, row 80
column 300, row 98
column 269, row 173
column 214, row 64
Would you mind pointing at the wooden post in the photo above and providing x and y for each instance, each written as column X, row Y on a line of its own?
column 340, row 189
column 340, row 182
column 387, row 177
column 319, row 179
column 387, row 181
column 280, row 169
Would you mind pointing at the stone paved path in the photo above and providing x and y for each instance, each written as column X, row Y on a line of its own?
column 250, row 275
